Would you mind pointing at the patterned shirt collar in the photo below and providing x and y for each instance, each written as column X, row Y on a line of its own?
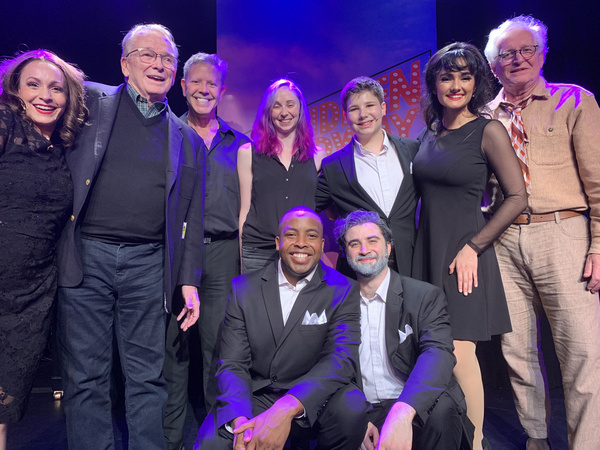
column 142, row 104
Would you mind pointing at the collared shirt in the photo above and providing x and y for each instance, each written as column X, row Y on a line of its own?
column 222, row 198
column 381, row 381
column 562, row 125
column 289, row 293
column 142, row 104
column 379, row 175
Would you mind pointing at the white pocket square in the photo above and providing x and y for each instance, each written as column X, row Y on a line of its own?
column 404, row 334
column 313, row 319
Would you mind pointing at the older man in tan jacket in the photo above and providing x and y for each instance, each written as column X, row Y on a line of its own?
column 549, row 262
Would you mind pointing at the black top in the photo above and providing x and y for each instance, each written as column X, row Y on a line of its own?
column 127, row 201
column 275, row 191
column 451, row 173
column 36, row 195
column 222, row 201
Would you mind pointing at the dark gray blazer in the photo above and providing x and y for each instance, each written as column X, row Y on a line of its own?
column 426, row 355
column 339, row 184
column 258, row 351
column 184, row 193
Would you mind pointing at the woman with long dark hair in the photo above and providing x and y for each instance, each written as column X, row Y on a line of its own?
column 460, row 149
column 41, row 111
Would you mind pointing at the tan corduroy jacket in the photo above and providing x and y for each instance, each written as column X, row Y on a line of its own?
column 563, row 128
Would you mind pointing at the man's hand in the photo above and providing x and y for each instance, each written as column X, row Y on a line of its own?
column 272, row 428
column 240, row 440
column 592, row 271
column 397, row 432
column 371, row 438
column 465, row 264
column 191, row 311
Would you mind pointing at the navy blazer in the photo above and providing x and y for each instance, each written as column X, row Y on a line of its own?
column 310, row 361
column 339, row 184
column 184, row 192
column 426, row 356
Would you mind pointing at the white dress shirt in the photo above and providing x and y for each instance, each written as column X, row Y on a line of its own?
column 379, row 175
column 381, row 380
column 289, row 293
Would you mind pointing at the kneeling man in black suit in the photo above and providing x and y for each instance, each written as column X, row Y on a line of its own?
column 288, row 357
column 406, row 353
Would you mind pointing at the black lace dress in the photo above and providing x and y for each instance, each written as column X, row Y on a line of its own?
column 451, row 172
column 36, row 195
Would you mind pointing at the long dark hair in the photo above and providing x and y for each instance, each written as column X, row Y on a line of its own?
column 455, row 57
column 76, row 112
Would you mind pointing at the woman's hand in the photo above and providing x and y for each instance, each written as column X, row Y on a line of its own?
column 465, row 264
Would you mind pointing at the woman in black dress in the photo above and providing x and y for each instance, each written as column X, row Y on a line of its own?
column 459, row 151
column 41, row 111
column 278, row 172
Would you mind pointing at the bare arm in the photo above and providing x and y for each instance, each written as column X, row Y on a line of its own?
column 244, row 170
column 319, row 155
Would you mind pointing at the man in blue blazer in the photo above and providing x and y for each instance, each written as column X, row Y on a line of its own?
column 288, row 357
column 373, row 172
column 134, row 243
column 406, row 352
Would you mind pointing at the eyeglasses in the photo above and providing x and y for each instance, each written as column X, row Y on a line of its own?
column 149, row 56
column 526, row 52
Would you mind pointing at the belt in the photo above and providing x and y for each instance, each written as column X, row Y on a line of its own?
column 219, row 237
column 527, row 218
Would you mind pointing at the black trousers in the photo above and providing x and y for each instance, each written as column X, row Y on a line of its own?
column 341, row 425
column 446, row 428
column 220, row 265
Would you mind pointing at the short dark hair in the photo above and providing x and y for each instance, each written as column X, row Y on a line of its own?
column 300, row 211
column 360, row 217
column 456, row 57
column 358, row 85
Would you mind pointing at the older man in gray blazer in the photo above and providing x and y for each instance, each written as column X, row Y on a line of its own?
column 133, row 243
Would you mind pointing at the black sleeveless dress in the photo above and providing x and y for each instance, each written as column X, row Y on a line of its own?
column 450, row 174
column 36, row 195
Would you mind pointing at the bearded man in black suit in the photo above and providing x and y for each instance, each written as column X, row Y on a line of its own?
column 406, row 352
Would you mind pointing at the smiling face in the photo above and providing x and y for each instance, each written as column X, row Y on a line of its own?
column 300, row 244
column 203, row 89
column 285, row 111
column 42, row 90
column 518, row 74
column 454, row 89
column 366, row 250
column 151, row 80
column 364, row 113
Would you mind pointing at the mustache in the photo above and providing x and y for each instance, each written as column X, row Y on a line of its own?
column 367, row 256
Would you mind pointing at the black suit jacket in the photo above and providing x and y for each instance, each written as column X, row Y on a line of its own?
column 339, row 184
column 184, row 192
column 310, row 361
column 425, row 354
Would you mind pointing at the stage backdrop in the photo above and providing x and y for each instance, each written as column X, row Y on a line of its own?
column 321, row 45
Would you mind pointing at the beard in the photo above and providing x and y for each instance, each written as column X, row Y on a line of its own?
column 369, row 270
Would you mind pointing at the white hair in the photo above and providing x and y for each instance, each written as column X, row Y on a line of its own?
column 536, row 27
column 144, row 28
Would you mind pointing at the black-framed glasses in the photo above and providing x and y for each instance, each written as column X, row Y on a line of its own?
column 149, row 56
column 526, row 52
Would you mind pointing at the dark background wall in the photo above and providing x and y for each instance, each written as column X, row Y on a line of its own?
column 90, row 33
column 572, row 32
